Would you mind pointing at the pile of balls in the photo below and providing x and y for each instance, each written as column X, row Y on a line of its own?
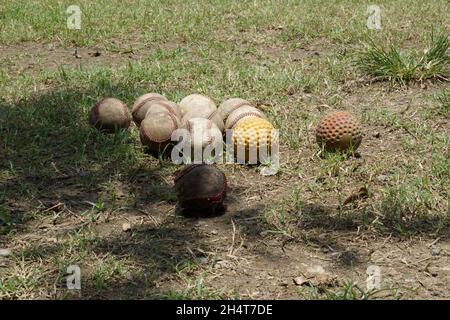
column 201, row 187
column 157, row 118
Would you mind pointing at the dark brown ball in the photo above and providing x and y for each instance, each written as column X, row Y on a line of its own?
column 110, row 115
column 200, row 189
column 339, row 131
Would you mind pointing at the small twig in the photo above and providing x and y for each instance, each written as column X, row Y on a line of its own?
column 323, row 259
column 424, row 259
column 53, row 207
column 434, row 242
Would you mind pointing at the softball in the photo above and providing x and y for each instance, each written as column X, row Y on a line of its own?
column 204, row 134
column 214, row 116
column 241, row 113
column 162, row 106
column 109, row 115
column 142, row 105
column 196, row 102
column 200, row 189
column 156, row 132
column 228, row 106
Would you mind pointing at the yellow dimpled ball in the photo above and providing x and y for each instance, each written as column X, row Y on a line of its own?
column 254, row 140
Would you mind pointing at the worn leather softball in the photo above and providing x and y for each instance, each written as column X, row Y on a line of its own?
column 241, row 113
column 156, row 132
column 200, row 187
column 203, row 134
column 214, row 116
column 229, row 105
column 142, row 105
column 196, row 102
column 163, row 106
column 110, row 115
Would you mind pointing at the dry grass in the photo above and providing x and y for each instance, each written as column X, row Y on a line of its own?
column 66, row 190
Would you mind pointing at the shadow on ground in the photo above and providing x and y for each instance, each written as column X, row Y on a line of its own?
column 55, row 169
column 391, row 220
column 49, row 155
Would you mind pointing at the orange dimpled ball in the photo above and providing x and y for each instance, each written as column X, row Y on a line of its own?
column 250, row 134
column 339, row 131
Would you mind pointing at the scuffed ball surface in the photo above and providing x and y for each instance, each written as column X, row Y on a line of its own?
column 200, row 188
column 339, row 131
column 109, row 115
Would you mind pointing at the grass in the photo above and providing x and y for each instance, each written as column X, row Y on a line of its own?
column 349, row 290
column 443, row 102
column 66, row 190
column 408, row 208
column 414, row 203
column 396, row 66
column 196, row 290
column 190, row 21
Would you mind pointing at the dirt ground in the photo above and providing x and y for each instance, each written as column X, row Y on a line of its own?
column 311, row 232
